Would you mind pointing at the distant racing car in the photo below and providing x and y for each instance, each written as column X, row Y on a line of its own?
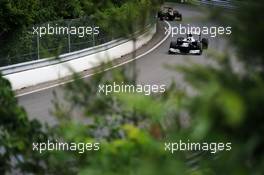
column 168, row 13
column 188, row 45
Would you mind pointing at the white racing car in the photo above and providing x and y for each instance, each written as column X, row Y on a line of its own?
column 188, row 45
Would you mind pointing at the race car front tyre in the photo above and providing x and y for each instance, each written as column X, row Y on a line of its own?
column 199, row 45
column 180, row 17
column 173, row 44
column 159, row 14
column 205, row 43
column 201, row 51
column 171, row 18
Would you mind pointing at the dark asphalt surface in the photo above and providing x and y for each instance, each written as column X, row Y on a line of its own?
column 151, row 69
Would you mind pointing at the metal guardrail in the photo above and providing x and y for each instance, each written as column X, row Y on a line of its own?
column 6, row 70
column 31, row 74
column 227, row 4
column 31, row 47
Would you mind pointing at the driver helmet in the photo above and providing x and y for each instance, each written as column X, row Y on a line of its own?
column 189, row 37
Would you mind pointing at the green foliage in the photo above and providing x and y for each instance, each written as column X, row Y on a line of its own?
column 132, row 128
column 247, row 27
column 14, row 14
column 225, row 108
column 17, row 18
column 127, row 19
column 249, row 24
column 16, row 135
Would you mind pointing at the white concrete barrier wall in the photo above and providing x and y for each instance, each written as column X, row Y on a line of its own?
column 52, row 72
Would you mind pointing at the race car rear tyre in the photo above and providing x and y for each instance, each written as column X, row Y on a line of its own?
column 159, row 14
column 173, row 45
column 199, row 46
column 180, row 18
column 201, row 51
column 205, row 43
column 171, row 18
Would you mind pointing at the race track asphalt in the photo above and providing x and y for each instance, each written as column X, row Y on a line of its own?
column 151, row 69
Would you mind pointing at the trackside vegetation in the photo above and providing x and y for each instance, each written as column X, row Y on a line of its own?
column 132, row 128
column 17, row 20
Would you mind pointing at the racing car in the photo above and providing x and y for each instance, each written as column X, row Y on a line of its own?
column 168, row 13
column 188, row 45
